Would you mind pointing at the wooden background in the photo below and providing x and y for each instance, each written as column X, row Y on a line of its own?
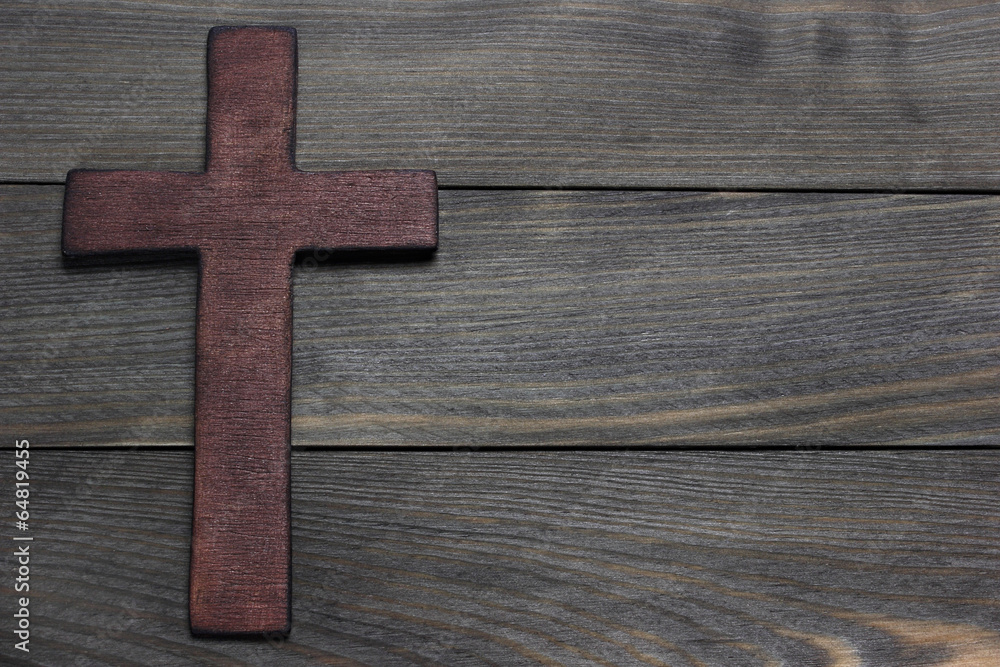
column 705, row 371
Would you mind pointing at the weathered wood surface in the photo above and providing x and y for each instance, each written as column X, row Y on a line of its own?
column 559, row 319
column 679, row 558
column 709, row 94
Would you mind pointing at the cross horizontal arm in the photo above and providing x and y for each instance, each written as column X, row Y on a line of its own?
column 122, row 211
column 356, row 210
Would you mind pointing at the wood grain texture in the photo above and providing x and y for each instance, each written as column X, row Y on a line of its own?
column 245, row 217
column 560, row 319
column 707, row 94
column 599, row 558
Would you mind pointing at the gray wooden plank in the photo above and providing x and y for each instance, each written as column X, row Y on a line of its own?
column 478, row 558
column 708, row 94
column 558, row 319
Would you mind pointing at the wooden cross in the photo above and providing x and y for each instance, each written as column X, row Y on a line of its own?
column 246, row 216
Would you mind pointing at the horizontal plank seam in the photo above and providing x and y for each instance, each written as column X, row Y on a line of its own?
column 748, row 190
column 647, row 188
column 546, row 448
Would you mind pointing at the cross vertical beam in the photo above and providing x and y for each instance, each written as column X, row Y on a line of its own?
column 246, row 216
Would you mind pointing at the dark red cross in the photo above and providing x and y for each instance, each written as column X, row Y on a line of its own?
column 246, row 216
